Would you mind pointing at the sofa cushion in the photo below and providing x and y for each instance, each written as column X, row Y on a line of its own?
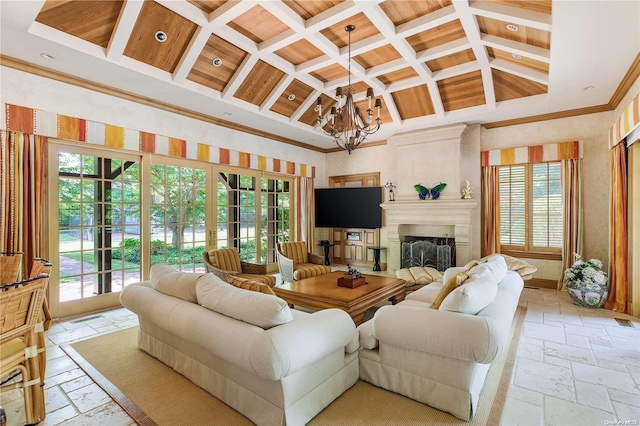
column 174, row 283
column 267, row 279
column 494, row 264
column 476, row 293
column 419, row 275
column 247, row 284
column 524, row 269
column 447, row 288
column 259, row 309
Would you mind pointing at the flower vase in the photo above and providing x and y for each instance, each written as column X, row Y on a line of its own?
column 587, row 294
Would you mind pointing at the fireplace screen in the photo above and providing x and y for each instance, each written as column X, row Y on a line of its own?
column 434, row 252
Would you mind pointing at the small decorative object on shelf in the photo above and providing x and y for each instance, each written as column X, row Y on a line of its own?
column 351, row 279
column 587, row 284
column 429, row 193
column 467, row 191
column 392, row 195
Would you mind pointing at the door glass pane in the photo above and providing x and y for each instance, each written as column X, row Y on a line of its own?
column 274, row 216
column 178, row 216
column 99, row 225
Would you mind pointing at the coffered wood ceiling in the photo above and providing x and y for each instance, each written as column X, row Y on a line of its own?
column 432, row 62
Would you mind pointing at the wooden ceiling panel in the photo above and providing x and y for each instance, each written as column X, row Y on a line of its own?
column 92, row 21
column 258, row 24
column 330, row 73
column 207, row 6
column 508, row 86
column 287, row 107
column 260, row 81
column 143, row 46
column 338, row 36
column 413, row 102
column 401, row 12
column 379, row 56
column 307, row 9
column 530, row 36
column 217, row 78
column 299, row 52
column 451, row 60
column 310, row 116
column 462, row 91
column 396, row 76
column 437, row 36
column 541, row 6
column 539, row 66
column 358, row 87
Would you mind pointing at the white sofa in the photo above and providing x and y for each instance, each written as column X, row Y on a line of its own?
column 441, row 357
column 284, row 370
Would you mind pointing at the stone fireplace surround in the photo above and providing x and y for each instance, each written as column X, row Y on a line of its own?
column 449, row 154
column 429, row 217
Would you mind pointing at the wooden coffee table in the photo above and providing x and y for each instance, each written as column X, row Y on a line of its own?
column 323, row 292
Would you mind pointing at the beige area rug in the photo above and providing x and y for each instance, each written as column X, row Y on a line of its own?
column 154, row 394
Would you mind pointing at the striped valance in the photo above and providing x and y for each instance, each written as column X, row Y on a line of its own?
column 628, row 121
column 43, row 123
column 532, row 154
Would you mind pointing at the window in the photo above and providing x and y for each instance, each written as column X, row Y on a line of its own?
column 530, row 197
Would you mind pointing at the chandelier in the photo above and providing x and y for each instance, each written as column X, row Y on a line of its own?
column 345, row 123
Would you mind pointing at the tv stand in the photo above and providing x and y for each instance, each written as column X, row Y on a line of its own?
column 350, row 246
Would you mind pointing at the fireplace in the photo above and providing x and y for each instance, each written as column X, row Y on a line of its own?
column 433, row 252
column 439, row 218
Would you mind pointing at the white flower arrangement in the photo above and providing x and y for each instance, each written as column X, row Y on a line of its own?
column 589, row 272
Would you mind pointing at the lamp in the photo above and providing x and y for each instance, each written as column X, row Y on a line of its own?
column 345, row 123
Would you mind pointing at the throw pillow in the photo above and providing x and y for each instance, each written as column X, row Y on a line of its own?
column 250, row 285
column 495, row 264
column 473, row 295
column 259, row 309
column 524, row 269
column 448, row 287
column 174, row 283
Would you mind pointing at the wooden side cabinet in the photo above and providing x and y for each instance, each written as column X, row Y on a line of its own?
column 350, row 246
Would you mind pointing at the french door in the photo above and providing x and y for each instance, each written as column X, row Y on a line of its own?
column 95, row 201
column 113, row 214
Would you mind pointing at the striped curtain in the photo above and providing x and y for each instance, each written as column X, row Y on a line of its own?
column 618, row 232
column 490, row 212
column 305, row 206
column 572, row 210
column 22, row 169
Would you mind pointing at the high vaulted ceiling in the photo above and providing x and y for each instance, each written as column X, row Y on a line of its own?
column 432, row 62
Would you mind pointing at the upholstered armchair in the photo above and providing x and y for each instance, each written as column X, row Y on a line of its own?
column 226, row 261
column 296, row 263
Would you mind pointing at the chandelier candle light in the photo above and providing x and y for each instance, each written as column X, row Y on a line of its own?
column 345, row 123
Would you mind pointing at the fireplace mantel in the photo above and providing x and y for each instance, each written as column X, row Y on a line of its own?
column 455, row 214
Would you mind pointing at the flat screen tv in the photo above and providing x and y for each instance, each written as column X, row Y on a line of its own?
column 349, row 207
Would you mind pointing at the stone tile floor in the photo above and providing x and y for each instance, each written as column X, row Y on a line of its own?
column 574, row 366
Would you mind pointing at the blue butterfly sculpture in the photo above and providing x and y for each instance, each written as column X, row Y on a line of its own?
column 433, row 193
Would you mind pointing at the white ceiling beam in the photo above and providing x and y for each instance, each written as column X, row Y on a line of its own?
column 238, row 77
column 386, row 68
column 229, row 11
column 331, row 16
column 186, row 10
column 456, row 70
column 191, row 55
column 449, row 48
column 471, row 29
column 57, row 36
column 124, row 26
column 512, row 15
column 520, row 71
column 276, row 92
column 436, row 99
column 511, row 46
column 305, row 105
column 426, row 22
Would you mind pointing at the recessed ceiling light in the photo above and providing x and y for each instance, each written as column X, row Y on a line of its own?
column 227, row 114
column 46, row 56
column 161, row 36
column 516, row 56
column 291, row 97
column 588, row 88
column 512, row 27
column 216, row 62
